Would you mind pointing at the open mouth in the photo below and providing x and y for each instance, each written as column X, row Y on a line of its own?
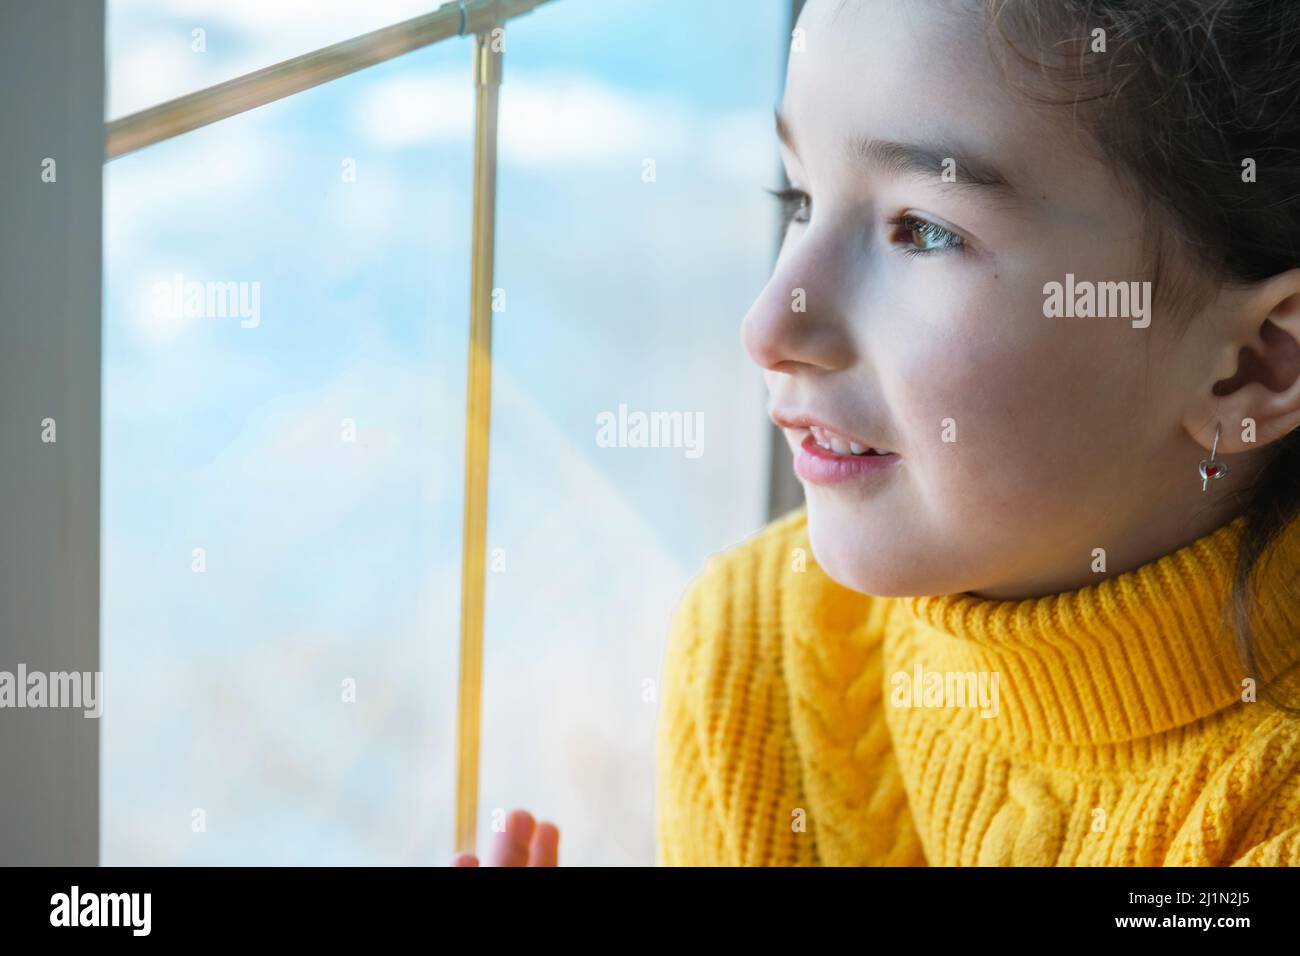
column 837, row 444
column 826, row 457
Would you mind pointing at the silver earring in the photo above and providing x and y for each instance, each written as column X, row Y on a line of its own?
column 1209, row 468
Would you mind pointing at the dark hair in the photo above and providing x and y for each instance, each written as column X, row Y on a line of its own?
column 1185, row 91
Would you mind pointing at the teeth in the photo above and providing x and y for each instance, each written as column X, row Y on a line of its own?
column 832, row 442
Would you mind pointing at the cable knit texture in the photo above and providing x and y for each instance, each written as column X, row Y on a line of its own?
column 805, row 724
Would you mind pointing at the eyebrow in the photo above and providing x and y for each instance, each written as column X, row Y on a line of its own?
column 924, row 160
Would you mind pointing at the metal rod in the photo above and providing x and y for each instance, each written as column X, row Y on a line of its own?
column 488, row 51
column 275, row 82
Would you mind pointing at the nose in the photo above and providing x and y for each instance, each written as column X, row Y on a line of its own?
column 797, row 320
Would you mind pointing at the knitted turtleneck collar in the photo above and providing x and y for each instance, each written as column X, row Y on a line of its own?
column 1126, row 658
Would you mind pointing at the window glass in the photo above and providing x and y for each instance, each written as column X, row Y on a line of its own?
column 282, row 492
column 282, row 469
column 636, row 142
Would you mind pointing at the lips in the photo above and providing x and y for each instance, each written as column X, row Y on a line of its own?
column 820, row 466
column 827, row 436
column 829, row 455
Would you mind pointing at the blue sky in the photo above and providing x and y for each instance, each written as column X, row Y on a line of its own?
column 330, row 560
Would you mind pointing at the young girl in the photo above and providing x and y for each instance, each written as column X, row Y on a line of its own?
column 1032, row 337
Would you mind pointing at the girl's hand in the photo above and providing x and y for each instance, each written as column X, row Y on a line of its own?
column 521, row 843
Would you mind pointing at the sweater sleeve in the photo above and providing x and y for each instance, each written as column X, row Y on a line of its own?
column 727, row 768
column 741, row 772
column 1281, row 850
column 688, row 831
column 1247, row 812
column 1280, row 813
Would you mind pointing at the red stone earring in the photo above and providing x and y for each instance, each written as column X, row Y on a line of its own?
column 1209, row 468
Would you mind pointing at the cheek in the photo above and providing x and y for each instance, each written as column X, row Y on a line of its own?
column 1004, row 411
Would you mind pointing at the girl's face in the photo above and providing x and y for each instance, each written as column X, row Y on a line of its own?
column 906, row 312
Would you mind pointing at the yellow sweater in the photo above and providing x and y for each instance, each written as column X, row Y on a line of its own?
column 803, row 724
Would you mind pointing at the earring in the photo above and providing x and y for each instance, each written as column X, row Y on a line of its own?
column 1209, row 468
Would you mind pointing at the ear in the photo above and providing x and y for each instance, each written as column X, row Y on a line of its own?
column 1252, row 391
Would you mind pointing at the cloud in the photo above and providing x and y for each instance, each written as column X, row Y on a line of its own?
column 150, row 60
column 307, row 18
column 149, row 68
column 416, row 108
column 559, row 120
column 551, row 120
column 742, row 146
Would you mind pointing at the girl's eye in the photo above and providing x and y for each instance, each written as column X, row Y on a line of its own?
column 921, row 237
column 796, row 205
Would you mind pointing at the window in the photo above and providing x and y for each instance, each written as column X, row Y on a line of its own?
column 283, row 483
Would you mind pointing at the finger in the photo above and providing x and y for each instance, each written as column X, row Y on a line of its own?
column 465, row 859
column 545, row 849
column 510, row 846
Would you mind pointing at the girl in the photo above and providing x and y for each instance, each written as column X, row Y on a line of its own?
column 1032, row 338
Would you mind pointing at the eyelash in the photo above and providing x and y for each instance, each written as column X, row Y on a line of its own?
column 931, row 231
column 792, row 200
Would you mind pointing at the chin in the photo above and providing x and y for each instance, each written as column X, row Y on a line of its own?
column 850, row 551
